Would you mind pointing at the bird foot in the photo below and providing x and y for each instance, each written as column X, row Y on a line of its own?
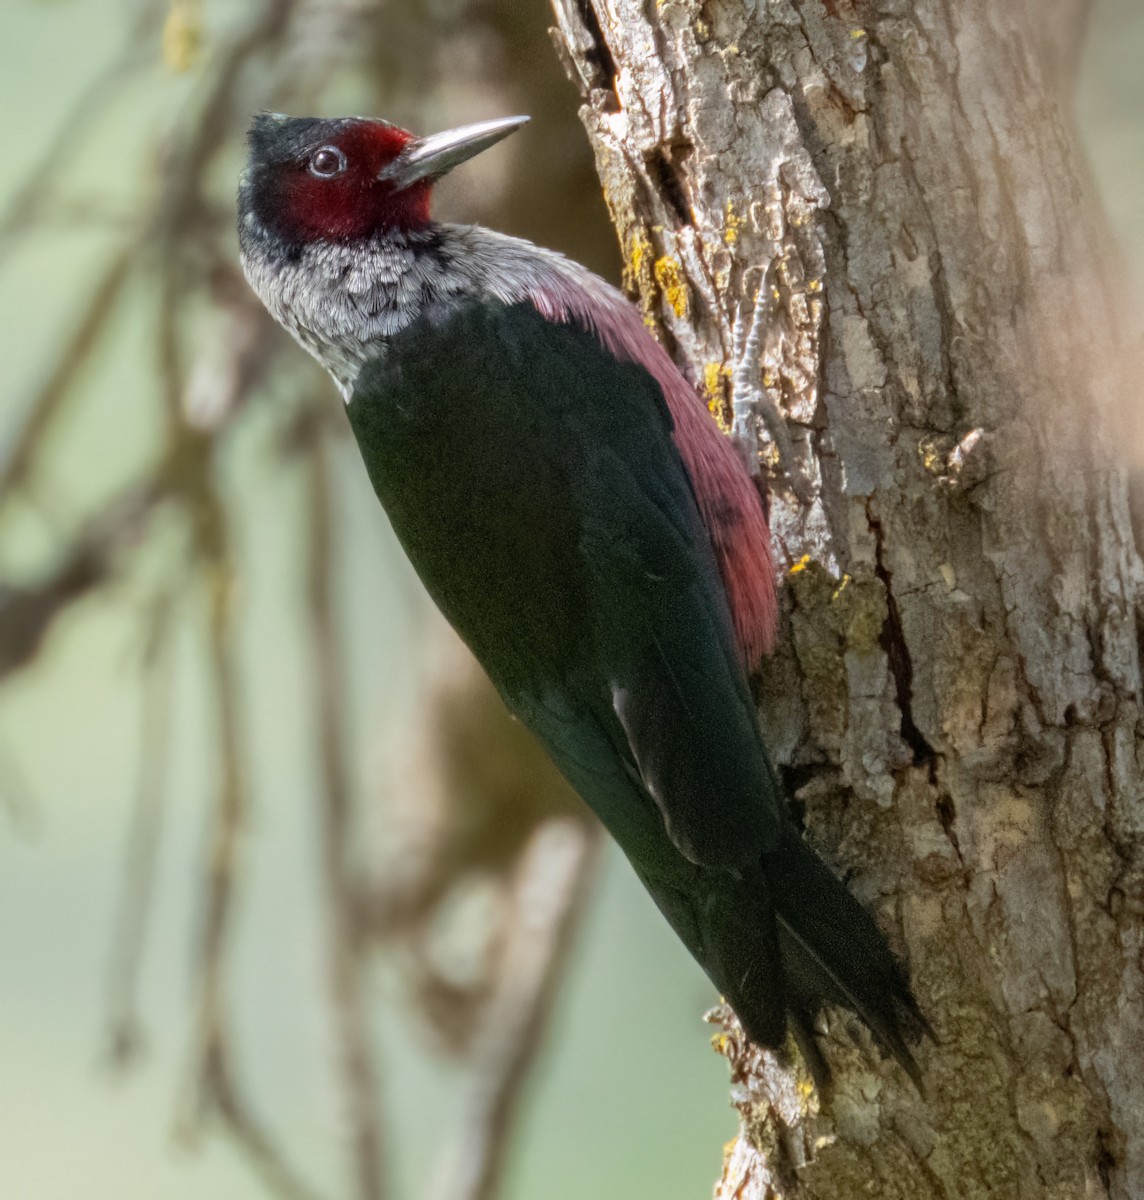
column 751, row 400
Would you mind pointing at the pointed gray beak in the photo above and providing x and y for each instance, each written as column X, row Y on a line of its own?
column 432, row 157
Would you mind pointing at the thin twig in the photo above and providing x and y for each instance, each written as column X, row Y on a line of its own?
column 212, row 1088
column 183, row 213
column 209, row 1062
column 240, row 1124
column 25, row 206
column 29, row 610
column 552, row 884
column 231, row 808
column 355, row 1049
column 188, row 251
column 142, row 845
column 48, row 401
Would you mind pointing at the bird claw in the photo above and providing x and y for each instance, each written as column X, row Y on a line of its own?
column 751, row 400
column 747, row 394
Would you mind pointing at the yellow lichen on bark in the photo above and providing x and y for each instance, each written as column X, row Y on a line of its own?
column 672, row 284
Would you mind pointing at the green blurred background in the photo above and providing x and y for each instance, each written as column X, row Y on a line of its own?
column 628, row 1099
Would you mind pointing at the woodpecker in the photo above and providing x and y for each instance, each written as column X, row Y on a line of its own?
column 578, row 517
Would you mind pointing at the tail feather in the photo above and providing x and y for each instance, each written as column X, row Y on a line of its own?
column 818, row 983
column 784, row 939
column 833, row 952
column 803, row 1031
column 742, row 954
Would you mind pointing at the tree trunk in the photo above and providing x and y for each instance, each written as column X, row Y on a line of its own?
column 957, row 697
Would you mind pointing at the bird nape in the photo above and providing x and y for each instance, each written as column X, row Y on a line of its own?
column 580, row 520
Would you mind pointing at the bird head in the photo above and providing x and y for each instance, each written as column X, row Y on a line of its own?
column 309, row 179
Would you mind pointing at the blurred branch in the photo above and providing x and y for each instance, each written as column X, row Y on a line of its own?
column 214, row 348
column 189, row 473
column 48, row 402
column 229, row 819
column 355, row 1049
column 28, row 611
column 142, row 842
column 26, row 205
column 239, row 1123
column 214, row 1089
column 553, row 881
column 183, row 212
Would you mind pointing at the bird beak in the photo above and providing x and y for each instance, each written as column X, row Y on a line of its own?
column 432, row 157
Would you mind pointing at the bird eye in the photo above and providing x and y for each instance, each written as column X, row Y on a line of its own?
column 327, row 162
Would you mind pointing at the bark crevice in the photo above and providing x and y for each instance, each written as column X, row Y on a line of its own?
column 897, row 649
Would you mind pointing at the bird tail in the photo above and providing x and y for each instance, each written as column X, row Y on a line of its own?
column 793, row 911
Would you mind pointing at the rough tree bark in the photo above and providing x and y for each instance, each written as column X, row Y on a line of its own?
column 957, row 699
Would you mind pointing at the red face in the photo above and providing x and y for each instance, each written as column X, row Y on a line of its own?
column 312, row 180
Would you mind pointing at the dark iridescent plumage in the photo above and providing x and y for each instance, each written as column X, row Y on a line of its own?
column 582, row 529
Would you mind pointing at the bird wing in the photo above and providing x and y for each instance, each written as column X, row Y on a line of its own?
column 666, row 650
column 663, row 637
column 533, row 479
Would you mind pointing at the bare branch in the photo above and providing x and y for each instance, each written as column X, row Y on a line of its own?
column 142, row 848
column 29, row 610
column 355, row 1050
column 26, row 206
column 212, row 1090
column 552, row 883
column 183, row 213
column 239, row 1123
column 213, row 351
column 48, row 401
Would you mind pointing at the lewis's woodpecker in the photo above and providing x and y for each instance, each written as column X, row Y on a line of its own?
column 581, row 521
